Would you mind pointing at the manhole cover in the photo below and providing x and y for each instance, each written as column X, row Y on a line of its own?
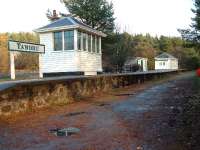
column 64, row 131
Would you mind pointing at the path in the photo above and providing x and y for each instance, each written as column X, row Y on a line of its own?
column 139, row 121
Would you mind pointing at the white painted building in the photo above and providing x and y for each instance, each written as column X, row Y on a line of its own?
column 166, row 61
column 132, row 63
column 71, row 47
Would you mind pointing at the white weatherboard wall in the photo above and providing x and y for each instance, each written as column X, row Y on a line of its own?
column 90, row 62
column 56, row 61
column 174, row 64
column 164, row 64
column 68, row 60
column 143, row 63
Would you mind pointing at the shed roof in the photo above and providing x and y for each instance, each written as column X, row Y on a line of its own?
column 166, row 55
column 133, row 60
column 68, row 22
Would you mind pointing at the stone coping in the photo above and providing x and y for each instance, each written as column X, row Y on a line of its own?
column 9, row 84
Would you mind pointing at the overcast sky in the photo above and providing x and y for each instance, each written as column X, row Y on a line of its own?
column 157, row 17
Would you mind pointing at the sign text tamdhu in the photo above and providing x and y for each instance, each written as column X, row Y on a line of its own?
column 14, row 46
column 26, row 47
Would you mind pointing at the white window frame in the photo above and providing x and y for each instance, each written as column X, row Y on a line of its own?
column 94, row 44
column 164, row 63
column 81, row 44
column 54, row 42
column 89, row 37
column 64, row 41
column 86, row 41
column 100, row 50
column 84, row 36
column 75, row 40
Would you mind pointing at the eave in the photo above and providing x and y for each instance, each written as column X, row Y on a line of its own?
column 160, row 59
column 70, row 27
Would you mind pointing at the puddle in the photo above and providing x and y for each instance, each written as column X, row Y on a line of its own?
column 74, row 114
column 103, row 104
column 64, row 132
column 125, row 94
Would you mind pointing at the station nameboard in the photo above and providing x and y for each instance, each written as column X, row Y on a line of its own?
column 25, row 47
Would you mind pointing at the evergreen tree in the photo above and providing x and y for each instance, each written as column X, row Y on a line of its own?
column 193, row 34
column 165, row 44
column 119, row 47
column 96, row 13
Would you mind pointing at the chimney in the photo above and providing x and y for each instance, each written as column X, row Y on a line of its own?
column 55, row 15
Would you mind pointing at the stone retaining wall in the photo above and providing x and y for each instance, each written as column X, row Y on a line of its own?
column 28, row 96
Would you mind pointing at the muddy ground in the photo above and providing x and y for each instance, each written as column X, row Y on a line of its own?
column 151, row 116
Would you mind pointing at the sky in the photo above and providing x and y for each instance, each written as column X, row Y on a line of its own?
column 156, row 17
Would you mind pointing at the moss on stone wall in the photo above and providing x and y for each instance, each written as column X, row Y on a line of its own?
column 24, row 97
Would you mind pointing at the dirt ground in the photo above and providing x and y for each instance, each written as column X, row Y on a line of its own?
column 141, row 117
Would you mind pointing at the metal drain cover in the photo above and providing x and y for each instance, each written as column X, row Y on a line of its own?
column 64, row 131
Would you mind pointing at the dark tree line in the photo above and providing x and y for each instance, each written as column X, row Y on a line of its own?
column 117, row 47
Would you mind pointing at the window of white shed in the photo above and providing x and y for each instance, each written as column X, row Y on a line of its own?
column 98, row 44
column 64, row 40
column 79, row 41
column 89, row 43
column 58, row 38
column 84, row 41
column 93, row 44
column 68, row 40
